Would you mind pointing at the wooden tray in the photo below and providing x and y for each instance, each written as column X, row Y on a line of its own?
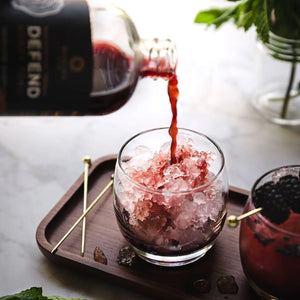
column 102, row 231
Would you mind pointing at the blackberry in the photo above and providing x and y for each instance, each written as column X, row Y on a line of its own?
column 275, row 206
column 263, row 240
column 277, row 199
column 295, row 206
column 290, row 187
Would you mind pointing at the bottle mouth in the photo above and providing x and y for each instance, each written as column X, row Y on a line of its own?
column 160, row 58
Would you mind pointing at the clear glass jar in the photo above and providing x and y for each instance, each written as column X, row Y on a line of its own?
column 277, row 93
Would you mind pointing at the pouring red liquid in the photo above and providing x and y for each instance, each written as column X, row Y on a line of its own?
column 115, row 64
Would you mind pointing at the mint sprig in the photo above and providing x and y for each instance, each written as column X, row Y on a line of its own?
column 277, row 16
column 280, row 17
column 244, row 15
column 35, row 293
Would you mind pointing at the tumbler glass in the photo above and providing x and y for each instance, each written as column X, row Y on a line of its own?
column 170, row 213
column 270, row 240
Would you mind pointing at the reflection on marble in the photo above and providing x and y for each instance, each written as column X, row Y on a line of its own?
column 41, row 157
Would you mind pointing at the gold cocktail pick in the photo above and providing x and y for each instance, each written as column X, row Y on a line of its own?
column 87, row 162
column 84, row 214
column 233, row 221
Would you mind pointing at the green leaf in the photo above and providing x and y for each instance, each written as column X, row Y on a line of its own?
column 260, row 19
column 241, row 14
column 227, row 14
column 215, row 16
column 244, row 16
column 34, row 293
column 278, row 16
column 208, row 16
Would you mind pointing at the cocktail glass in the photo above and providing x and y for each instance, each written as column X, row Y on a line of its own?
column 270, row 243
column 169, row 213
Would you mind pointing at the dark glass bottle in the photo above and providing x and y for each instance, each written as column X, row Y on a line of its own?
column 73, row 57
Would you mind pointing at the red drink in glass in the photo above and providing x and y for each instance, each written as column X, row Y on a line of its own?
column 270, row 250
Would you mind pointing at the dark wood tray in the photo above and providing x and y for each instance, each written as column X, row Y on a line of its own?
column 102, row 231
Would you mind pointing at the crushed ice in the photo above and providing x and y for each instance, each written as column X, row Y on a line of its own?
column 169, row 211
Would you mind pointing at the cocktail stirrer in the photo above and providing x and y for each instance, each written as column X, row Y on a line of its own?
column 87, row 163
column 233, row 221
column 84, row 214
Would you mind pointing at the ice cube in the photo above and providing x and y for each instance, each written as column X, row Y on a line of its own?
column 165, row 148
column 140, row 160
column 186, row 216
column 150, row 228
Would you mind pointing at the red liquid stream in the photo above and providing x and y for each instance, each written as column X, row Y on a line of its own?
column 115, row 64
column 173, row 93
column 173, row 130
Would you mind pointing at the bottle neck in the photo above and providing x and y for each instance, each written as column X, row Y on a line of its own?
column 159, row 58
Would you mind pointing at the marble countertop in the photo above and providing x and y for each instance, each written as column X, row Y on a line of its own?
column 41, row 157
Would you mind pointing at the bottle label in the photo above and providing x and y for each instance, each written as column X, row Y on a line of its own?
column 45, row 56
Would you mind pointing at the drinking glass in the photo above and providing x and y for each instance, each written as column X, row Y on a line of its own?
column 170, row 213
column 269, row 250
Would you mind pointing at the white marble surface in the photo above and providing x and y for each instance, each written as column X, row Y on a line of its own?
column 41, row 157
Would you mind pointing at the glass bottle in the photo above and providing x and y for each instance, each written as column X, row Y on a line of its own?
column 67, row 57
column 277, row 94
